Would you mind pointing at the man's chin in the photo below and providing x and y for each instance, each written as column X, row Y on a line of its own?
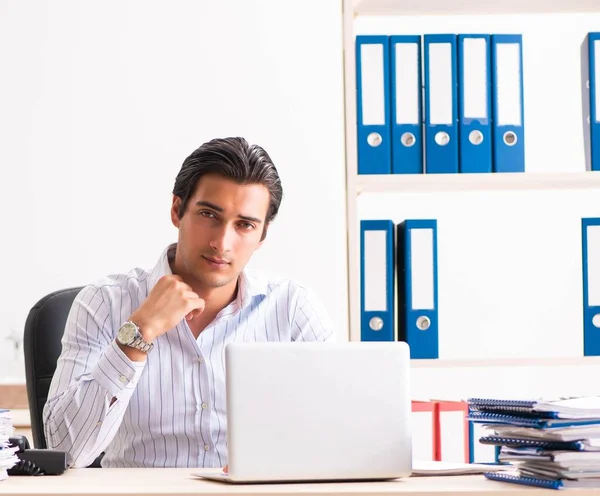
column 213, row 281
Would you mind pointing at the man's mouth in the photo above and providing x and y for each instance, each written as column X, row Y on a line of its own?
column 216, row 261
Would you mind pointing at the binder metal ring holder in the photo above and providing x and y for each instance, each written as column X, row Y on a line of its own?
column 442, row 138
column 423, row 323
column 510, row 138
column 374, row 139
column 476, row 137
column 376, row 323
column 408, row 139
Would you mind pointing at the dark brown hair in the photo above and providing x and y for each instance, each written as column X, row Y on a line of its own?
column 234, row 159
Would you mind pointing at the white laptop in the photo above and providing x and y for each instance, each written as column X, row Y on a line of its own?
column 317, row 412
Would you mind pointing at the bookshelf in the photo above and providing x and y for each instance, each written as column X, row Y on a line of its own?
column 466, row 7
column 473, row 182
column 536, row 179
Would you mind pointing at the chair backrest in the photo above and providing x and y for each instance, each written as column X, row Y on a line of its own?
column 44, row 329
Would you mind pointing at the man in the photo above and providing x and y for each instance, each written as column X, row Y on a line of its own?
column 141, row 375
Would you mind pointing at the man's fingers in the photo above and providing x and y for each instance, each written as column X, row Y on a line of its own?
column 197, row 305
column 192, row 314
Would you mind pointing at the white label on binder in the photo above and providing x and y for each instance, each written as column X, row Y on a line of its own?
column 440, row 83
column 597, row 76
column 375, row 284
column 593, row 265
column 475, row 78
column 408, row 90
column 421, row 267
column 508, row 83
column 373, row 91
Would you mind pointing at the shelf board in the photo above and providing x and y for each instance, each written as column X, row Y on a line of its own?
column 475, row 7
column 507, row 362
column 420, row 183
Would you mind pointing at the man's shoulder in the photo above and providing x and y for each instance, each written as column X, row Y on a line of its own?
column 116, row 283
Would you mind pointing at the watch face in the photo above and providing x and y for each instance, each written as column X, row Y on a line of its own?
column 127, row 333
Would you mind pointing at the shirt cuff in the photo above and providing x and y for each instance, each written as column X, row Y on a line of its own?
column 115, row 371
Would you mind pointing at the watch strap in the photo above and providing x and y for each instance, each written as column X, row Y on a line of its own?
column 139, row 344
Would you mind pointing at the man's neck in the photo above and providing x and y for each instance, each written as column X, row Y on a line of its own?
column 215, row 299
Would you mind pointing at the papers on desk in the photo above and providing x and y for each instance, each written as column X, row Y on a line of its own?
column 551, row 444
column 7, row 455
column 433, row 468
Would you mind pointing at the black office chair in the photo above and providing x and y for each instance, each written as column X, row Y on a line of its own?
column 44, row 329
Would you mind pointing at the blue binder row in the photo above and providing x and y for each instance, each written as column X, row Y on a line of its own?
column 398, row 266
column 472, row 119
column 408, row 250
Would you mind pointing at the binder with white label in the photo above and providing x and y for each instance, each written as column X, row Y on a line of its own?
column 373, row 105
column 377, row 270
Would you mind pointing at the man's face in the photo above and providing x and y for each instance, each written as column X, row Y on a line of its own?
column 221, row 228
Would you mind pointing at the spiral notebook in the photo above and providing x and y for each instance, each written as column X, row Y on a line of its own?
column 540, row 482
column 527, row 421
column 569, row 433
column 566, row 408
column 542, row 444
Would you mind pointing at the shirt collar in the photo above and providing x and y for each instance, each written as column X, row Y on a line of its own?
column 249, row 285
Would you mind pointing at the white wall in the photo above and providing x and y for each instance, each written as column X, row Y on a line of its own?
column 103, row 100
column 510, row 262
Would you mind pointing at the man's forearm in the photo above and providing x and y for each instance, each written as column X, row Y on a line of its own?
column 82, row 417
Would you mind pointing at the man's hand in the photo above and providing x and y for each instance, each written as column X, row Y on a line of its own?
column 169, row 301
column 226, row 469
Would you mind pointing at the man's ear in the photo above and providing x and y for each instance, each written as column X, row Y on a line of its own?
column 175, row 211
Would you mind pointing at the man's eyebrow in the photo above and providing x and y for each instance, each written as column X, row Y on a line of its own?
column 220, row 209
column 252, row 219
column 209, row 205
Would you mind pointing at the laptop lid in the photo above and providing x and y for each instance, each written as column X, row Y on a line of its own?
column 318, row 411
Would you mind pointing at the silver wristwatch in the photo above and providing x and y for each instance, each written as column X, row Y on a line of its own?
column 129, row 335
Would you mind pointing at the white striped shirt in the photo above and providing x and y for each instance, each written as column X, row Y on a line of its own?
column 170, row 409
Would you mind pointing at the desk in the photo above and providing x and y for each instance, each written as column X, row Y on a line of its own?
column 179, row 481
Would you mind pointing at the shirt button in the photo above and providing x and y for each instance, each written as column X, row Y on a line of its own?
column 204, row 406
column 200, row 360
column 98, row 424
column 123, row 379
column 206, row 447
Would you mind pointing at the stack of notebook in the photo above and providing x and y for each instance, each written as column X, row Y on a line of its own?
column 551, row 443
column 7, row 455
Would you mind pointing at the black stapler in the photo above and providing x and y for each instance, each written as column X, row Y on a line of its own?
column 36, row 461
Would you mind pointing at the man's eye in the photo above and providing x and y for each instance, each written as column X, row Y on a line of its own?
column 206, row 213
column 246, row 225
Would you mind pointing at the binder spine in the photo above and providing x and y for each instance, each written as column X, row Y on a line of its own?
column 508, row 128
column 406, row 104
column 594, row 129
column 377, row 280
column 591, row 302
column 374, row 150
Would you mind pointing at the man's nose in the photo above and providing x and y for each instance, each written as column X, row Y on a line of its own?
column 222, row 239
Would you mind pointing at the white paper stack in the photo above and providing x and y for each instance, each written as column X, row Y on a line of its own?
column 550, row 443
column 8, row 459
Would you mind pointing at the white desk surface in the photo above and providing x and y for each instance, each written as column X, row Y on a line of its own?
column 179, row 481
